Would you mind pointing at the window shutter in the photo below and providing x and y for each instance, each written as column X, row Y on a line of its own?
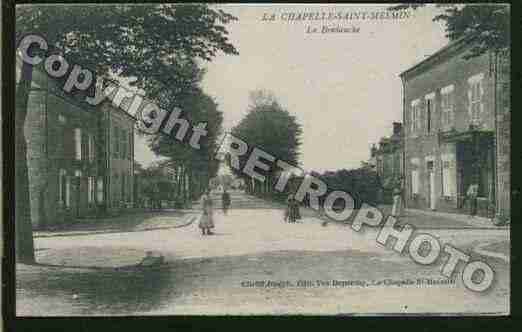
column 130, row 146
column 68, row 191
column 84, row 140
column 429, row 116
column 419, row 117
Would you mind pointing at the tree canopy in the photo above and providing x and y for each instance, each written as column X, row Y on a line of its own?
column 271, row 128
column 197, row 107
column 488, row 24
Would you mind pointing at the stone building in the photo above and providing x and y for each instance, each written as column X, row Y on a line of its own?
column 80, row 157
column 388, row 161
column 456, row 133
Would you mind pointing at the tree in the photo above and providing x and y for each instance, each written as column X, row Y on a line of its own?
column 129, row 40
column 271, row 128
column 487, row 25
column 198, row 165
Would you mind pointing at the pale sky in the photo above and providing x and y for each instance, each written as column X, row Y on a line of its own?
column 343, row 88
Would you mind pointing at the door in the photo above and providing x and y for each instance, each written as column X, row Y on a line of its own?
column 431, row 183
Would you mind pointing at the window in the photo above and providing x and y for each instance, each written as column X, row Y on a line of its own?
column 78, row 143
column 475, row 98
column 99, row 190
column 447, row 105
column 448, row 177
column 415, row 116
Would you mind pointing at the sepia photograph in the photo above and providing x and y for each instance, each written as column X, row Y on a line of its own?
column 261, row 159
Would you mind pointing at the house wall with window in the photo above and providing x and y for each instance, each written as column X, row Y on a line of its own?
column 69, row 160
column 449, row 118
column 62, row 153
column 120, row 174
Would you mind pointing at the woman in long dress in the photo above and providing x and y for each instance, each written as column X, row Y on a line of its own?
column 397, row 201
column 292, row 214
column 206, row 223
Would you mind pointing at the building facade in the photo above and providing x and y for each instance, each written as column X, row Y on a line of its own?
column 80, row 157
column 451, row 117
column 387, row 159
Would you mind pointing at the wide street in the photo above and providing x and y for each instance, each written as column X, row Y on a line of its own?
column 303, row 268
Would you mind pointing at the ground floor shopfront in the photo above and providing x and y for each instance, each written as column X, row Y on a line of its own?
column 439, row 172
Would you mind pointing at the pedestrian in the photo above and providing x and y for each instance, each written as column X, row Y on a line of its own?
column 206, row 223
column 397, row 200
column 471, row 198
column 297, row 210
column 292, row 210
column 225, row 200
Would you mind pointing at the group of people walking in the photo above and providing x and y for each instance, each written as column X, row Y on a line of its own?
column 292, row 212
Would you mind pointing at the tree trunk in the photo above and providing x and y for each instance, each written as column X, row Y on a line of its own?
column 23, row 225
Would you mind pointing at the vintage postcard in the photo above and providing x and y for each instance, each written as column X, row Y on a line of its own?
column 262, row 159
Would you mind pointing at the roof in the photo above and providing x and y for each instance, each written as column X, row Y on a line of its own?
column 441, row 52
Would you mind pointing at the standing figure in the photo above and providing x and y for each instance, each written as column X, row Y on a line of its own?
column 471, row 197
column 397, row 200
column 292, row 210
column 225, row 200
column 206, row 223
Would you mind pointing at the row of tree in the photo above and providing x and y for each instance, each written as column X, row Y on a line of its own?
column 157, row 45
